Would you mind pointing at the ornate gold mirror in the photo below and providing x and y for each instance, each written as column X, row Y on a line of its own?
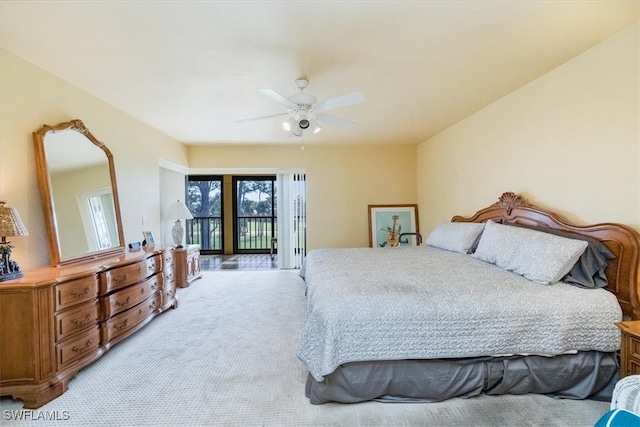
column 79, row 193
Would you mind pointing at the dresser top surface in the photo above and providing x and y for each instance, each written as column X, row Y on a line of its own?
column 50, row 275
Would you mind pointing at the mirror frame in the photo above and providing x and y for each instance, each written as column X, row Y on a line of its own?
column 46, row 195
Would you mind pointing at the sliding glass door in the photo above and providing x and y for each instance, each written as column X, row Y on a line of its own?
column 265, row 214
column 292, row 214
column 254, row 205
column 204, row 200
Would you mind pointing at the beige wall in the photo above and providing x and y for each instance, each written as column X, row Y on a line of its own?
column 341, row 182
column 171, row 189
column 569, row 141
column 32, row 97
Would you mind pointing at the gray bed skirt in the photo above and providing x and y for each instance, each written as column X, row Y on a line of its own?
column 585, row 375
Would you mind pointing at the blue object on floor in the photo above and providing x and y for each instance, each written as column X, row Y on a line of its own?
column 619, row 418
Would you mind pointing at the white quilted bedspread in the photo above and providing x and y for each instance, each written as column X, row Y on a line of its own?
column 369, row 304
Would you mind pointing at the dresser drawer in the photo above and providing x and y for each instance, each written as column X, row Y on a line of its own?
column 168, row 293
column 169, row 278
column 76, row 291
column 168, row 259
column 154, row 264
column 634, row 346
column 193, row 253
column 73, row 320
column 75, row 348
column 127, row 320
column 121, row 277
column 129, row 297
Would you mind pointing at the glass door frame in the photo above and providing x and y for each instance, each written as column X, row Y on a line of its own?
column 198, row 221
column 265, row 241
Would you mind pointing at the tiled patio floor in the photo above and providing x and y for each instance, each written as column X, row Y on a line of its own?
column 238, row 262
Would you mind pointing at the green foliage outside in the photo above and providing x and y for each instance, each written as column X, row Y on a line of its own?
column 254, row 198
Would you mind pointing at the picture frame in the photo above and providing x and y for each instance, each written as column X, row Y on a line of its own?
column 148, row 238
column 388, row 222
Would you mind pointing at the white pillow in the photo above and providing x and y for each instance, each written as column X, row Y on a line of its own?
column 540, row 257
column 456, row 236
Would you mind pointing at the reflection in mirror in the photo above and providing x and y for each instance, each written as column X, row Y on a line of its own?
column 79, row 193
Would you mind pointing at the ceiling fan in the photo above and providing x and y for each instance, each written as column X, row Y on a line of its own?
column 305, row 112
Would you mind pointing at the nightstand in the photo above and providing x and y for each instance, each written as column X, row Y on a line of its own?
column 187, row 262
column 629, row 348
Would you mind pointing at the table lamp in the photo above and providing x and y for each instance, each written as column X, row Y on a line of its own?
column 177, row 211
column 10, row 225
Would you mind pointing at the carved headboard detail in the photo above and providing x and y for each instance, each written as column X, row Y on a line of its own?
column 510, row 201
column 623, row 273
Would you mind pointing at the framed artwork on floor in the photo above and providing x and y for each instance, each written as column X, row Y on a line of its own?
column 387, row 223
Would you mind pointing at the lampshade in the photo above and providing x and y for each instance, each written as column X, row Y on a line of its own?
column 10, row 222
column 178, row 210
column 296, row 131
column 289, row 124
column 10, row 225
column 314, row 126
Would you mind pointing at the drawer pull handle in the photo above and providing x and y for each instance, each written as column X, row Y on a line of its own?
column 154, row 286
column 152, row 305
column 81, row 322
column 127, row 301
column 151, row 267
column 123, row 279
column 77, row 294
column 80, row 350
column 122, row 325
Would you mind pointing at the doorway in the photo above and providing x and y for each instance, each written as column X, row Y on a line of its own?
column 249, row 215
column 205, row 201
column 254, row 214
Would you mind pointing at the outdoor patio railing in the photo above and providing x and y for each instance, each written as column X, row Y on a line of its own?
column 254, row 233
column 206, row 232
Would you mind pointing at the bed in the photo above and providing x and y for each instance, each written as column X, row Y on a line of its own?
column 463, row 315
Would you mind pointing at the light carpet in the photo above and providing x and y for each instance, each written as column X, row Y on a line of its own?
column 226, row 357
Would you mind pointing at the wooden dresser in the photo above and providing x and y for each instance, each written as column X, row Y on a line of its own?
column 55, row 321
column 187, row 265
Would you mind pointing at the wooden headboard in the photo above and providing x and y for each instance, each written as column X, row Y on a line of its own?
column 623, row 273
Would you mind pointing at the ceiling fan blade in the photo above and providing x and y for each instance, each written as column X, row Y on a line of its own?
column 275, row 95
column 337, row 121
column 250, row 119
column 350, row 98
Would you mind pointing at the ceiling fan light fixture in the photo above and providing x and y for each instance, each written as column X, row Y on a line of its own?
column 314, row 126
column 304, row 111
column 304, row 124
column 289, row 124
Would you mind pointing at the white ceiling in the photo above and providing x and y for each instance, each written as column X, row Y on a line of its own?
column 191, row 68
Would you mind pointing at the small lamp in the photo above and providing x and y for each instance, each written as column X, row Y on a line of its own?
column 178, row 210
column 10, row 225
